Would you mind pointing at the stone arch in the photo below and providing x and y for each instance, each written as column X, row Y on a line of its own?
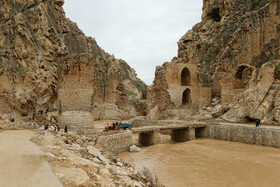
column 242, row 76
column 186, row 99
column 185, row 77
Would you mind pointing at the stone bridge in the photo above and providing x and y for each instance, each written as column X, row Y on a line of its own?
column 181, row 131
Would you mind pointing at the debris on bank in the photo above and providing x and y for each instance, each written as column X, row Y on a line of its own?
column 77, row 161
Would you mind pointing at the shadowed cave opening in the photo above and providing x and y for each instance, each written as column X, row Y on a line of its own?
column 242, row 77
column 248, row 119
column 186, row 77
column 215, row 15
column 186, row 97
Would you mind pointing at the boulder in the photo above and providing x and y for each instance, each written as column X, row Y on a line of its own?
column 102, row 157
column 134, row 148
column 79, row 141
column 92, row 150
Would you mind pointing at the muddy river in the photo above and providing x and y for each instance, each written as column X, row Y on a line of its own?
column 210, row 163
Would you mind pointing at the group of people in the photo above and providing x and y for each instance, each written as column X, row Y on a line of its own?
column 56, row 127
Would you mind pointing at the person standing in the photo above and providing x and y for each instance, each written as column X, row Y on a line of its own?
column 66, row 129
column 46, row 126
column 258, row 122
column 114, row 126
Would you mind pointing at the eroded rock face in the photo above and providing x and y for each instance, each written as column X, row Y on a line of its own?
column 234, row 52
column 48, row 65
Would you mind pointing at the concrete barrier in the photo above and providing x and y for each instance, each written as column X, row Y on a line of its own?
column 244, row 134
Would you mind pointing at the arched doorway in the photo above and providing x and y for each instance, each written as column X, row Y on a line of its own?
column 242, row 77
column 185, row 77
column 186, row 97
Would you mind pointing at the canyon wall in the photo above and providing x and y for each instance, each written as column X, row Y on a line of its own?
column 50, row 69
column 227, row 66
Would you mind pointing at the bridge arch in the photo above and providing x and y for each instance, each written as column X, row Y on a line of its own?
column 185, row 77
column 186, row 97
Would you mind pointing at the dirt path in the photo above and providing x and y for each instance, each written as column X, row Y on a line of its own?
column 22, row 163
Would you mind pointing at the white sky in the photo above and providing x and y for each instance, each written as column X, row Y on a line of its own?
column 144, row 33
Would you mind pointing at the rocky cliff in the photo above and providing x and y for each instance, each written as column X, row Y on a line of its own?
column 227, row 65
column 48, row 67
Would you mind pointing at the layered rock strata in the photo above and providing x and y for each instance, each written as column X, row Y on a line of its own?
column 227, row 66
column 50, row 69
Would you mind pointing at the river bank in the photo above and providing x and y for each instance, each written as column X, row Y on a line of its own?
column 73, row 160
column 207, row 162
column 23, row 163
column 90, row 160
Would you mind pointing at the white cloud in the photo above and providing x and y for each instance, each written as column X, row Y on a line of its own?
column 142, row 32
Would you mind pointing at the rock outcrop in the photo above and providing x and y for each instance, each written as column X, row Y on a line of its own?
column 77, row 161
column 231, row 56
column 49, row 68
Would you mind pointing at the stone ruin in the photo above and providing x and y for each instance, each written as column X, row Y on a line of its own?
column 227, row 66
column 183, row 86
column 50, row 70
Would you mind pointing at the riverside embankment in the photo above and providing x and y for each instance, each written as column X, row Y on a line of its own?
column 243, row 133
column 265, row 136
column 208, row 162
column 23, row 163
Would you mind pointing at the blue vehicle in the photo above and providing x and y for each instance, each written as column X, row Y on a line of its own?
column 118, row 126
column 125, row 126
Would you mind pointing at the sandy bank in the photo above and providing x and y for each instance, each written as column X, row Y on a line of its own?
column 22, row 162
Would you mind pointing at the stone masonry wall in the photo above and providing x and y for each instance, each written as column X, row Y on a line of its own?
column 115, row 143
column 48, row 64
column 76, row 90
column 244, row 134
column 140, row 123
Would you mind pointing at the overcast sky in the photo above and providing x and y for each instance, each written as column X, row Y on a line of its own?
column 144, row 33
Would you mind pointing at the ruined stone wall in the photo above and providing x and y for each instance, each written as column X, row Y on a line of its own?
column 179, row 88
column 230, row 49
column 204, row 96
column 76, row 90
column 244, row 134
column 50, row 65
column 115, row 143
column 4, row 103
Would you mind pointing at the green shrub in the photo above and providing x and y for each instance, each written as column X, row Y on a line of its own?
column 140, row 103
column 141, row 87
column 256, row 2
column 128, row 92
column 277, row 67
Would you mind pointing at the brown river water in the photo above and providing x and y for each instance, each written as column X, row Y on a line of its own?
column 206, row 162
